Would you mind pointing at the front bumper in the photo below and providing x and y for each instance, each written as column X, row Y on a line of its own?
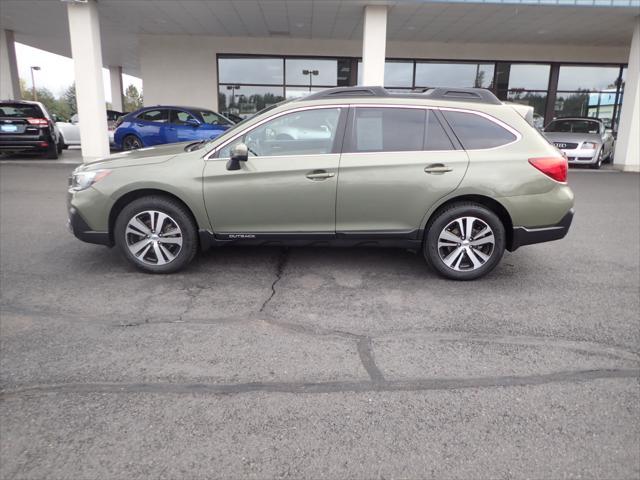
column 581, row 156
column 528, row 236
column 79, row 227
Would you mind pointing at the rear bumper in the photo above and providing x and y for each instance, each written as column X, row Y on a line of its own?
column 528, row 236
column 11, row 145
column 82, row 231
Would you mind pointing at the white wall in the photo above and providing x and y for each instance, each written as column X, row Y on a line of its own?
column 182, row 69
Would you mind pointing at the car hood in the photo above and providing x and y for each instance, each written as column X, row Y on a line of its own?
column 143, row 156
column 572, row 137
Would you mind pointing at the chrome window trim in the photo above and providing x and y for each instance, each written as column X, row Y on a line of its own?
column 491, row 118
column 209, row 155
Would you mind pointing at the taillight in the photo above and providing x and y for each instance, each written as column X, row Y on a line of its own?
column 43, row 122
column 554, row 167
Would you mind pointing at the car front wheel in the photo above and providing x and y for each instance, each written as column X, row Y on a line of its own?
column 156, row 234
column 464, row 241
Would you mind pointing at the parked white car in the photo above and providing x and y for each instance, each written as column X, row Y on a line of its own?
column 70, row 130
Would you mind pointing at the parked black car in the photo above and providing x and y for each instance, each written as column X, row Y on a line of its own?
column 27, row 127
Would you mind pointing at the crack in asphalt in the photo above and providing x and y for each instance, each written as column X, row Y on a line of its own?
column 415, row 385
column 281, row 263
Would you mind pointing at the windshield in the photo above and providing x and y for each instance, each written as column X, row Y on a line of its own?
column 213, row 118
column 573, row 126
column 19, row 110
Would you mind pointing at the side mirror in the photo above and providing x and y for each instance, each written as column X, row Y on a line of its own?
column 239, row 153
column 193, row 123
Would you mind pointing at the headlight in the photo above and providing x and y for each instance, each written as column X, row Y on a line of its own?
column 589, row 145
column 83, row 180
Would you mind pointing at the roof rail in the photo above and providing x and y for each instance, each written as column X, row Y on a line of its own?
column 481, row 95
column 348, row 92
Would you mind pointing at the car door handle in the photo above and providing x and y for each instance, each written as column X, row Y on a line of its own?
column 437, row 168
column 320, row 175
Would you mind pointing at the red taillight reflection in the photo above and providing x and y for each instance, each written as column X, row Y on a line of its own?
column 554, row 167
column 38, row 121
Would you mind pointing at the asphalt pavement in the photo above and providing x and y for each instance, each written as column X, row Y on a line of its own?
column 318, row 362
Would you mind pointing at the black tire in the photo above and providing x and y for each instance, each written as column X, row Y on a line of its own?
column 52, row 151
column 442, row 220
column 178, row 214
column 61, row 145
column 131, row 142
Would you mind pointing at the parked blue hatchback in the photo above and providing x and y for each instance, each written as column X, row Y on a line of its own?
column 167, row 124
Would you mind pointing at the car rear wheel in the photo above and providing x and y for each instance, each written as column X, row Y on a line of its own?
column 131, row 142
column 156, row 234
column 52, row 151
column 464, row 241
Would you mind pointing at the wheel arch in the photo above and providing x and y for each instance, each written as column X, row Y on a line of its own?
column 488, row 202
column 132, row 195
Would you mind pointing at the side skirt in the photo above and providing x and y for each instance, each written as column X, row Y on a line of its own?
column 411, row 240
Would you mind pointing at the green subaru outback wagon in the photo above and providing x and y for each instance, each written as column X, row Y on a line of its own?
column 454, row 173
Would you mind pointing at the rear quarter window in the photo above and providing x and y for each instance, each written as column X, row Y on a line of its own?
column 477, row 132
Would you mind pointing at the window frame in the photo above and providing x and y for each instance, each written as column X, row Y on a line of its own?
column 168, row 110
column 348, row 145
column 336, row 148
column 174, row 112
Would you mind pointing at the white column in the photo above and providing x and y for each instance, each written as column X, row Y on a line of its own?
column 374, row 42
column 86, row 49
column 115, row 80
column 9, row 83
column 627, row 156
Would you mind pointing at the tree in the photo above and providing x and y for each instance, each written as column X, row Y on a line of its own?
column 55, row 106
column 132, row 99
column 69, row 98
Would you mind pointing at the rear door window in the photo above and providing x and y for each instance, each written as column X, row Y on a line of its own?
column 396, row 130
column 180, row 117
column 477, row 132
column 158, row 116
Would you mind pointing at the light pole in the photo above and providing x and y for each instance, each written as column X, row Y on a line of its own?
column 311, row 74
column 33, row 83
column 233, row 89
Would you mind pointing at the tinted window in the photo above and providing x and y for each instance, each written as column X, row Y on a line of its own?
column 18, row 110
column 388, row 129
column 161, row 116
column 180, row 117
column 475, row 131
column 309, row 132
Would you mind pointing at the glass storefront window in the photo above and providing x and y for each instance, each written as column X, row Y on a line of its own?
column 396, row 74
column 246, row 100
column 587, row 78
column 537, row 100
column 260, row 70
column 298, row 92
column 454, row 75
column 327, row 71
column 529, row 76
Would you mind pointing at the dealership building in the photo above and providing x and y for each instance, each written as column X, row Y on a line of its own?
column 562, row 57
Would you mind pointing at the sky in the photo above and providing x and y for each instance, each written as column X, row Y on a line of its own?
column 56, row 71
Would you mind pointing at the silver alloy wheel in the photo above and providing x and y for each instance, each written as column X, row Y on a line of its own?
column 466, row 243
column 153, row 237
